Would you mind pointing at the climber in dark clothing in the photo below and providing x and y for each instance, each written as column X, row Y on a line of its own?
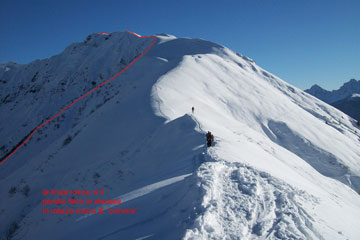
column 209, row 139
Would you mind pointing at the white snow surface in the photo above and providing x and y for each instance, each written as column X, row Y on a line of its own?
column 284, row 164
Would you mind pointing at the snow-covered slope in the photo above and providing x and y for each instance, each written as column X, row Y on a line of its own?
column 284, row 165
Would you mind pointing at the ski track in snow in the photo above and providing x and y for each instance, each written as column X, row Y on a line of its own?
column 139, row 192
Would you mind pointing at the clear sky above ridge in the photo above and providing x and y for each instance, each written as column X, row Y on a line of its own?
column 302, row 42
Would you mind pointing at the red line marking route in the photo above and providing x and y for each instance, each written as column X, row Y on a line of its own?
column 97, row 87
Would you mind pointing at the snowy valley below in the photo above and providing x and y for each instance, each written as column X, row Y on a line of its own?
column 284, row 165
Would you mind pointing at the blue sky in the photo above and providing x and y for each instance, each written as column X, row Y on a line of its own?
column 303, row 42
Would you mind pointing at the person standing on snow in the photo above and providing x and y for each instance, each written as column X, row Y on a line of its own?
column 208, row 139
column 193, row 109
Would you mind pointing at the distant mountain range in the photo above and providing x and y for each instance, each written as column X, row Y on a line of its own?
column 346, row 98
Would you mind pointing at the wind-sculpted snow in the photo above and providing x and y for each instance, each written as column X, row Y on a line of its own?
column 324, row 162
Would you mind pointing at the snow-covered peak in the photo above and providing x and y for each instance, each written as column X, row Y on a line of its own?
column 165, row 35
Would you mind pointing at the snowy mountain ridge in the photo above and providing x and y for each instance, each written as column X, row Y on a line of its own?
column 343, row 98
column 275, row 170
column 346, row 90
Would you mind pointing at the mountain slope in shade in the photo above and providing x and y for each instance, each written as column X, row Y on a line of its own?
column 343, row 99
column 276, row 170
column 346, row 90
column 349, row 105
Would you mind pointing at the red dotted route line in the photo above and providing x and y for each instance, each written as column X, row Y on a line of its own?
column 72, row 104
